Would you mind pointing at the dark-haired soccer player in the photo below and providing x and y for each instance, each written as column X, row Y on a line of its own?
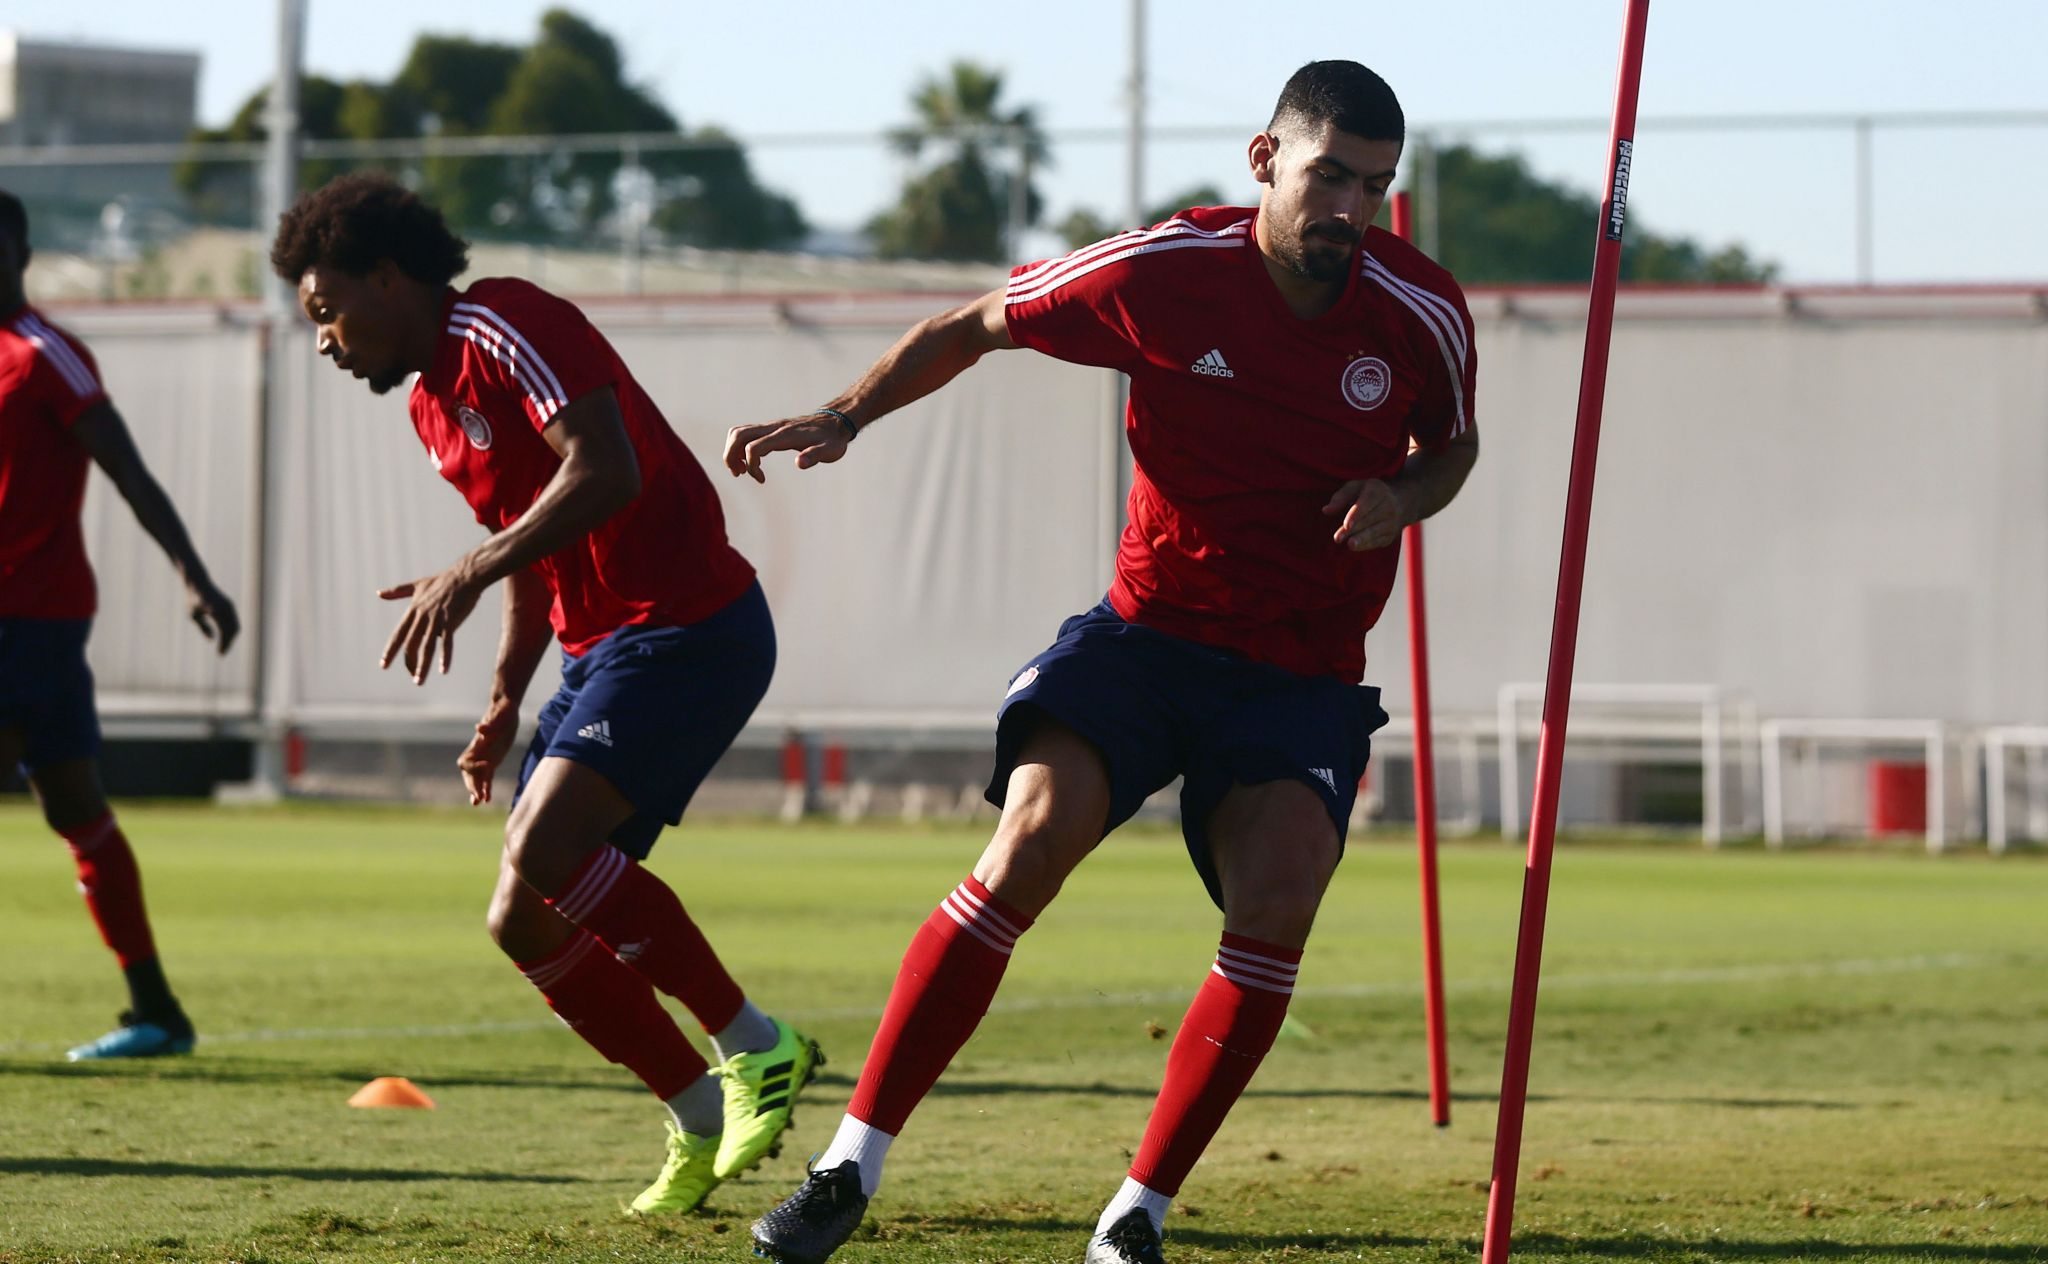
column 1281, row 359
column 606, row 532
column 55, row 418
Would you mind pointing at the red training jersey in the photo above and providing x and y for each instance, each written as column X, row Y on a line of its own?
column 511, row 357
column 1245, row 419
column 47, row 381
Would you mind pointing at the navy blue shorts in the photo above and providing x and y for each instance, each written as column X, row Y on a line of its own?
column 1157, row 707
column 654, row 708
column 46, row 690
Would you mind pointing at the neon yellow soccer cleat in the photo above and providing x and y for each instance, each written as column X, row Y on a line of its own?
column 760, row 1091
column 686, row 1179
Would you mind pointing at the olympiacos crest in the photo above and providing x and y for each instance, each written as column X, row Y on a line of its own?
column 1367, row 381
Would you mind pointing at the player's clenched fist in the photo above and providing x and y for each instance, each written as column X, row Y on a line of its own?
column 816, row 439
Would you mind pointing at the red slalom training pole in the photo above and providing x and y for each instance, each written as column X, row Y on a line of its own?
column 1425, row 788
column 1564, row 636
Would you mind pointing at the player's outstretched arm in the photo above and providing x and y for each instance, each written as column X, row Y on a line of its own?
column 598, row 477
column 933, row 353
column 106, row 437
column 522, row 638
column 1374, row 511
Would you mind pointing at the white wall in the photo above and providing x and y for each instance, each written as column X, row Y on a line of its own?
column 1840, row 508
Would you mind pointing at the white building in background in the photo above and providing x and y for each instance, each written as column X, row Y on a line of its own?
column 60, row 92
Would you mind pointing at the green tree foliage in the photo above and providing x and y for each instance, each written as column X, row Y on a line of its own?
column 959, row 207
column 569, row 82
column 1498, row 222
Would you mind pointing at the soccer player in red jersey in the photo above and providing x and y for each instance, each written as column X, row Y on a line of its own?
column 1301, row 389
column 55, row 419
column 609, row 538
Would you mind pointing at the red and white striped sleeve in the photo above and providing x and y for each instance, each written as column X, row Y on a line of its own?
column 1445, row 409
column 1069, row 307
column 66, row 376
column 537, row 349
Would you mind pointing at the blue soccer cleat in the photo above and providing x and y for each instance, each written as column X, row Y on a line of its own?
column 137, row 1039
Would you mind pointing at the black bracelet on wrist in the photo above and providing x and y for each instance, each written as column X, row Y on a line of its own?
column 852, row 430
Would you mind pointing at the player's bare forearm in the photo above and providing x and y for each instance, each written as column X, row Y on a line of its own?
column 599, row 476
column 931, row 354
column 105, row 435
column 523, row 637
column 1432, row 476
column 1374, row 511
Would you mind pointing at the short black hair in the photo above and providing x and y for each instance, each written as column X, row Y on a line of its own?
column 353, row 221
column 14, row 218
column 1345, row 95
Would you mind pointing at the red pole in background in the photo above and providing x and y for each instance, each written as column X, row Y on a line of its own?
column 1564, row 636
column 1425, row 789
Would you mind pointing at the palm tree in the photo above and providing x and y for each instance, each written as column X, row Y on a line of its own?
column 961, row 207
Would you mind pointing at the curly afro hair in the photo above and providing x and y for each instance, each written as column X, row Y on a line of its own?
column 354, row 221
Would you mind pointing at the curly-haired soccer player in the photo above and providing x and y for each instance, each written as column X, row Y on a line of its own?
column 606, row 534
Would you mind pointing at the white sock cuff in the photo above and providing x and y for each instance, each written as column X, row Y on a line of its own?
column 862, row 1143
column 1132, row 1194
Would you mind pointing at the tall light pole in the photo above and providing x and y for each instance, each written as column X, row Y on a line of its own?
column 1134, row 133
column 280, row 305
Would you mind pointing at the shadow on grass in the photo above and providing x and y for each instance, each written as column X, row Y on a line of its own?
column 190, row 1071
column 1748, row 1251
column 55, row 1165
column 201, row 1071
column 1624, row 1247
column 1006, row 1088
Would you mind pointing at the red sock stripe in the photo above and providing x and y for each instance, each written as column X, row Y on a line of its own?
column 1226, row 1034
column 112, row 886
column 85, row 839
column 551, row 968
column 1255, row 970
column 950, row 973
column 980, row 915
column 615, row 1011
column 587, row 889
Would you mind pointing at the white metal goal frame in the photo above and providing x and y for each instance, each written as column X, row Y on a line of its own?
column 1719, row 710
column 1998, row 740
column 1930, row 735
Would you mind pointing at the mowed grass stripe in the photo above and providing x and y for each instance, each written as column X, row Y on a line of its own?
column 1831, row 1056
column 1654, row 978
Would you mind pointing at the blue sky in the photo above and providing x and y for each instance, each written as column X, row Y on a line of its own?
column 1951, row 205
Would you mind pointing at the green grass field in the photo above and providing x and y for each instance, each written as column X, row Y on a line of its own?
column 1739, row 1056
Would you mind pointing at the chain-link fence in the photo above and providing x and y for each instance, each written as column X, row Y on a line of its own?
column 1829, row 198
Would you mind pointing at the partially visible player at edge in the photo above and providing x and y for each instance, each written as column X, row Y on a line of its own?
column 607, row 535
column 1282, row 360
column 55, row 419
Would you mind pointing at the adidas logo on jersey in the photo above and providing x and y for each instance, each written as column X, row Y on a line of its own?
column 601, row 731
column 1327, row 777
column 1212, row 365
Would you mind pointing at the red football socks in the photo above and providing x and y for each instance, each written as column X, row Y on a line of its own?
column 949, row 976
column 112, row 887
column 1226, row 1033
column 644, row 925
column 616, row 1013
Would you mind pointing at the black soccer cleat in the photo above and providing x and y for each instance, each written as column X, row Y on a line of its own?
column 816, row 1220
column 1131, row 1240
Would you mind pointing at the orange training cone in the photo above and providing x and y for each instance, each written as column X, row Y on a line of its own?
column 391, row 1090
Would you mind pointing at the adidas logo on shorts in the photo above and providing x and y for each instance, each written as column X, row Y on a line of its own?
column 1327, row 777
column 601, row 731
column 1212, row 365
